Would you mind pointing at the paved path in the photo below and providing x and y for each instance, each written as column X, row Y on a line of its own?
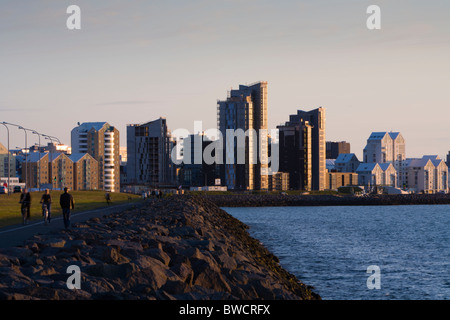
column 16, row 235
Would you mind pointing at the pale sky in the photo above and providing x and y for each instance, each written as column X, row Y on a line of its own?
column 134, row 61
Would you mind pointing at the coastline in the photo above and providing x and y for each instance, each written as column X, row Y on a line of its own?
column 179, row 248
column 270, row 200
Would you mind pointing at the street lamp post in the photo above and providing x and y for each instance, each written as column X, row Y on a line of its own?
column 51, row 155
column 9, row 157
column 26, row 155
column 39, row 160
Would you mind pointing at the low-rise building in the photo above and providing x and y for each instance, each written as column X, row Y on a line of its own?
column 341, row 179
column 37, row 173
column 279, row 181
column 60, row 171
column 347, row 162
column 426, row 175
column 85, row 172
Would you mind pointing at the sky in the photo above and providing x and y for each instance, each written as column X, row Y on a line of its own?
column 137, row 60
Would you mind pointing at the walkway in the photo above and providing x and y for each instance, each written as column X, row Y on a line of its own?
column 16, row 235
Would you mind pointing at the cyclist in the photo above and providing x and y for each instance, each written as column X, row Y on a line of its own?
column 46, row 202
column 25, row 200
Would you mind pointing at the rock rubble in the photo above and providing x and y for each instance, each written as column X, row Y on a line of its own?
column 180, row 248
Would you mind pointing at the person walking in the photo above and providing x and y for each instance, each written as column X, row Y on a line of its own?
column 66, row 202
column 25, row 200
column 108, row 198
column 47, row 200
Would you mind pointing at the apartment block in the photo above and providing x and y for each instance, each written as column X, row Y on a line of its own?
column 60, row 171
column 85, row 172
column 4, row 152
column 334, row 149
column 295, row 153
column 341, row 179
column 102, row 142
column 347, row 162
column 309, row 147
column 245, row 109
column 149, row 148
column 426, row 175
column 383, row 147
column 37, row 173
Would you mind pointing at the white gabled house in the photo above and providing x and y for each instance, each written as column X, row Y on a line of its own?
column 428, row 175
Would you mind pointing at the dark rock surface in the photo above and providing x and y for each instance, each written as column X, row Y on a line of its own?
column 271, row 200
column 178, row 248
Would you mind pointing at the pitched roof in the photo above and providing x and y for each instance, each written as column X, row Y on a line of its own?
column 366, row 167
column 377, row 135
column 417, row 162
column 385, row 166
column 86, row 126
column 75, row 157
column 345, row 157
column 34, row 156
column 3, row 149
column 394, row 135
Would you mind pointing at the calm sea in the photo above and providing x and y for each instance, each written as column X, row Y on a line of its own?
column 330, row 248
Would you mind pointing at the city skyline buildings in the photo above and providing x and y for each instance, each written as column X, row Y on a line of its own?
column 130, row 57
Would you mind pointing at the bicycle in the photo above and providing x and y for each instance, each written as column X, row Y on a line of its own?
column 24, row 211
column 45, row 213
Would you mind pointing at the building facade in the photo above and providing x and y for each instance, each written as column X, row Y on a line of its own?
column 85, row 172
column 37, row 173
column 245, row 109
column 195, row 171
column 60, row 169
column 149, row 148
column 102, row 142
column 347, row 162
column 314, row 122
column 376, row 174
column 341, row 179
column 383, row 147
column 426, row 175
column 4, row 162
column 334, row 149
column 295, row 153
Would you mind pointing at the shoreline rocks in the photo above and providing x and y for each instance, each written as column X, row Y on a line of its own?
column 179, row 248
column 271, row 200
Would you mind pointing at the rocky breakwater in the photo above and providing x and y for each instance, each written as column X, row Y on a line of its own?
column 272, row 200
column 178, row 248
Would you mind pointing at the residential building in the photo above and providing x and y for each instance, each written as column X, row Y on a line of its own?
column 383, row 147
column 37, row 173
column 331, row 165
column 101, row 141
column 295, row 153
column 426, row 175
column 60, row 169
column 334, row 149
column 377, row 174
column 341, row 179
column 4, row 154
column 149, row 148
column 279, row 181
column 85, row 172
column 56, row 147
column 311, row 135
column 448, row 159
column 347, row 162
column 195, row 171
column 245, row 164
column 389, row 174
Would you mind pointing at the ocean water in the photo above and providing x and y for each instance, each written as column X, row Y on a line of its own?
column 331, row 248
